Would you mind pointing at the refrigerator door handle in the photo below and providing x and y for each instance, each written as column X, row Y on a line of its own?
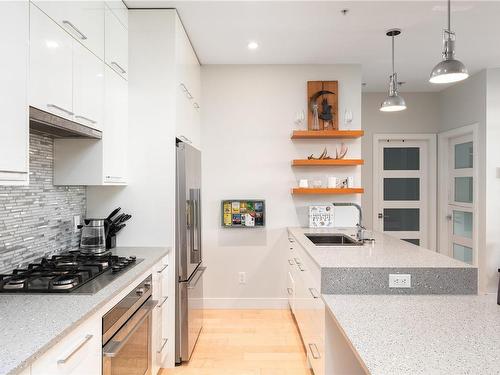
column 200, row 271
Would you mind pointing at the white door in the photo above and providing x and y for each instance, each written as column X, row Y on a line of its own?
column 403, row 187
column 460, row 202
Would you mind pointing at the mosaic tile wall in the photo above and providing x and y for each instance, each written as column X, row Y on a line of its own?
column 37, row 220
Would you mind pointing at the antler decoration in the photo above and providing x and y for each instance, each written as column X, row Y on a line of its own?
column 324, row 154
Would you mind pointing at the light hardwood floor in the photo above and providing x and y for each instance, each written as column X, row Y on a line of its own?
column 246, row 342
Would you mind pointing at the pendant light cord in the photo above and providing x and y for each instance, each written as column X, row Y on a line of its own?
column 449, row 16
column 393, row 54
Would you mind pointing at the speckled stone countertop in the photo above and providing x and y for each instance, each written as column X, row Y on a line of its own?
column 431, row 335
column 386, row 251
column 32, row 323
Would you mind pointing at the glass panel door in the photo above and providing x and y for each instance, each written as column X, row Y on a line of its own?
column 401, row 190
column 461, row 199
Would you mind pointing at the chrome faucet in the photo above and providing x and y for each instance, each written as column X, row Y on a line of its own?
column 360, row 228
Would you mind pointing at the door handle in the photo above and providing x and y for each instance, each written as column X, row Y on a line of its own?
column 123, row 71
column 314, row 293
column 60, row 109
column 313, row 348
column 78, row 346
column 380, row 215
column 162, row 269
column 81, row 35
column 201, row 270
column 449, row 217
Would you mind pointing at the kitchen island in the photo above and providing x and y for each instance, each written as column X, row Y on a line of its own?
column 428, row 335
column 323, row 281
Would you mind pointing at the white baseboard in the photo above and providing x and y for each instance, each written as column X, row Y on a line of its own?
column 245, row 303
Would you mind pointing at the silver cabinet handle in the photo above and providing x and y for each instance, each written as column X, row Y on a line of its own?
column 162, row 302
column 291, row 239
column 162, row 269
column 313, row 348
column 114, row 177
column 183, row 87
column 290, row 262
column 296, row 260
column 300, row 267
column 123, row 71
column 78, row 346
column 290, row 291
column 314, row 292
column 86, row 119
column 81, row 35
column 185, row 139
column 189, row 96
column 162, row 346
column 196, row 105
column 60, row 108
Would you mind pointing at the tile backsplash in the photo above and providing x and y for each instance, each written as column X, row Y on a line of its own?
column 37, row 219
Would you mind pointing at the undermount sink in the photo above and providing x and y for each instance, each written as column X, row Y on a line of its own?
column 334, row 239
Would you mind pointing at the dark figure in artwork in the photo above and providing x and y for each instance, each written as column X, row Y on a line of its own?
column 326, row 111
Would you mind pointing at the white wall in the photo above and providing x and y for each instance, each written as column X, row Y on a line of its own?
column 247, row 119
column 421, row 116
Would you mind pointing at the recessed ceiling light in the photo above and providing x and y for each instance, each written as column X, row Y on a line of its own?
column 253, row 45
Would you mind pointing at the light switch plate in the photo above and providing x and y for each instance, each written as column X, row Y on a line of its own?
column 399, row 280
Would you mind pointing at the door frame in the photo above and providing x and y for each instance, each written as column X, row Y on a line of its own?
column 432, row 167
column 443, row 191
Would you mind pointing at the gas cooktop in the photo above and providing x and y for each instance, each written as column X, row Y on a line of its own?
column 71, row 272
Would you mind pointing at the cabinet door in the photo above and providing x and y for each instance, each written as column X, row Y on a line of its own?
column 14, row 28
column 119, row 9
column 88, row 88
column 51, row 66
column 79, row 353
column 84, row 20
column 114, row 137
column 116, row 45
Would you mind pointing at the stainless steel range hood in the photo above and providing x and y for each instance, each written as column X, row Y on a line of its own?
column 60, row 127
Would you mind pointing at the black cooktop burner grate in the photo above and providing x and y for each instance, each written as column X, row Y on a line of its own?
column 62, row 273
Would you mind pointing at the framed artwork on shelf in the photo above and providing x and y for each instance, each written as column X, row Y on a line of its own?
column 243, row 213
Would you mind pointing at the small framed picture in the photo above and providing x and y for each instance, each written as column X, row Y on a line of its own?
column 243, row 213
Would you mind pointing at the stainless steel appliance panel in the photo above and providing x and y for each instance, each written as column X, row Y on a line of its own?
column 188, row 210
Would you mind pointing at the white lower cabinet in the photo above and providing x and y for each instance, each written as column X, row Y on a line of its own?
column 307, row 305
column 161, row 331
column 14, row 127
column 79, row 353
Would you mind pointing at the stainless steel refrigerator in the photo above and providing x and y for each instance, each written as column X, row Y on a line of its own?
column 188, row 246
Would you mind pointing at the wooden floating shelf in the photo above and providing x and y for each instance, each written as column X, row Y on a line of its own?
column 325, row 134
column 327, row 162
column 323, row 191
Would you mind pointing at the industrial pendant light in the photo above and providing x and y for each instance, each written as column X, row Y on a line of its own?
column 394, row 102
column 449, row 70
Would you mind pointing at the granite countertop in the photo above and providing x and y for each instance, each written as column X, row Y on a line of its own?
column 386, row 251
column 421, row 334
column 32, row 323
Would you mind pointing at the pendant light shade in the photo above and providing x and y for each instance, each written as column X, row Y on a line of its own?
column 394, row 102
column 450, row 69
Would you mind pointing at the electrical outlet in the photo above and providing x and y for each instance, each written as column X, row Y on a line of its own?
column 242, row 277
column 399, row 280
column 76, row 223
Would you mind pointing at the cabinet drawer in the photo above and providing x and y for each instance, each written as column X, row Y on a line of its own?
column 79, row 353
column 83, row 20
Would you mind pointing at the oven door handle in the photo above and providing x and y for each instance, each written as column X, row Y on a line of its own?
column 113, row 348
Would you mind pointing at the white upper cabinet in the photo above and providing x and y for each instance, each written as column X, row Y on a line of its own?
column 188, row 95
column 14, row 127
column 115, row 135
column 84, row 20
column 116, row 45
column 51, row 66
column 120, row 10
column 88, row 88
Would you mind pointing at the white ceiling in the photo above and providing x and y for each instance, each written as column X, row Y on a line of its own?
column 315, row 32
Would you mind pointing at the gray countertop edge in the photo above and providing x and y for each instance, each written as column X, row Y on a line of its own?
column 103, row 296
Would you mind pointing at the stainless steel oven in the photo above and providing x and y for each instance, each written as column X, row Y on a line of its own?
column 126, row 333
